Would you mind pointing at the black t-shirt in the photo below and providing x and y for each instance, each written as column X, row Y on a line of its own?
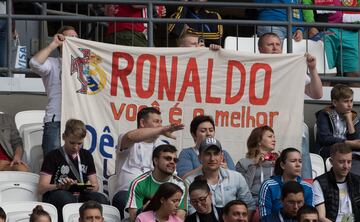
column 210, row 217
column 56, row 165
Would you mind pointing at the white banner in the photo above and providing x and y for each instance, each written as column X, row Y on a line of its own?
column 105, row 85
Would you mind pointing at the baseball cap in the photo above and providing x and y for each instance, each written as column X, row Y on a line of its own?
column 209, row 143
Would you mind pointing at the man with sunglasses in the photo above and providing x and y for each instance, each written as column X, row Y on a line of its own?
column 134, row 148
column 145, row 186
column 225, row 184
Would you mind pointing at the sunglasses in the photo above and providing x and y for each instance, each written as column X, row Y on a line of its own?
column 169, row 158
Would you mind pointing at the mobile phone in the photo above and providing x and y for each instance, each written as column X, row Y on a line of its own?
column 79, row 187
column 201, row 41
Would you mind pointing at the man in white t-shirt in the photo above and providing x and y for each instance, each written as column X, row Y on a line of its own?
column 134, row 149
column 336, row 193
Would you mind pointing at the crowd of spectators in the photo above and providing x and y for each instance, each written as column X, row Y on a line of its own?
column 202, row 183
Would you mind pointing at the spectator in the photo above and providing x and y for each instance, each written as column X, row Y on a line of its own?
column 271, row 43
column 225, row 184
column 164, row 205
column 11, row 146
column 339, row 123
column 91, row 211
column 341, row 45
column 211, row 33
column 259, row 162
column 292, row 198
column 201, row 200
column 49, row 68
column 201, row 127
column 277, row 14
column 287, row 168
column 129, row 33
column 133, row 148
column 39, row 215
column 336, row 193
column 188, row 39
column 67, row 166
column 307, row 214
column 2, row 215
column 235, row 211
column 145, row 186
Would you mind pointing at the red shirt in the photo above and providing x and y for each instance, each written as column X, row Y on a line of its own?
column 3, row 155
column 124, row 10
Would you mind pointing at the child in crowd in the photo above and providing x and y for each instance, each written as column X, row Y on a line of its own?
column 339, row 123
column 69, row 170
column 163, row 206
column 39, row 215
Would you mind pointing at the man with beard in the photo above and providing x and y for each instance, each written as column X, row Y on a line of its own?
column 225, row 185
column 336, row 193
column 145, row 186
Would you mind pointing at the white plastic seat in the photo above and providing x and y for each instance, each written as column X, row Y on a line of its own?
column 29, row 117
column 18, row 186
column 328, row 164
column 112, row 186
column 314, row 48
column 244, row 44
column 71, row 213
column 20, row 211
column 32, row 137
column 317, row 164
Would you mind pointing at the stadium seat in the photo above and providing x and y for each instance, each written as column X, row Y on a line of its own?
column 32, row 138
column 29, row 117
column 314, row 48
column 112, row 186
column 244, row 44
column 18, row 186
column 71, row 213
column 19, row 211
column 317, row 164
column 305, row 144
column 328, row 164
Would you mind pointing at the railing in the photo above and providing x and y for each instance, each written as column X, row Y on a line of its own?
column 152, row 21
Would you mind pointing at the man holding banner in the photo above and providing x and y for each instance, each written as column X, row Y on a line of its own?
column 49, row 68
column 270, row 43
column 134, row 148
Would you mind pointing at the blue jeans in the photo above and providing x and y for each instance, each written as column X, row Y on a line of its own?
column 51, row 137
column 279, row 30
column 60, row 198
column 119, row 201
column 306, row 169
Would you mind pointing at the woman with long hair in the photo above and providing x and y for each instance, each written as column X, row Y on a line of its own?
column 163, row 206
column 39, row 215
column 260, row 159
column 287, row 168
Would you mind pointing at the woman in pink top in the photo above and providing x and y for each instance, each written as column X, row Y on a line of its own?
column 163, row 206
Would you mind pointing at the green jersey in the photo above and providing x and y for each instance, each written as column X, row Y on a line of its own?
column 145, row 186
